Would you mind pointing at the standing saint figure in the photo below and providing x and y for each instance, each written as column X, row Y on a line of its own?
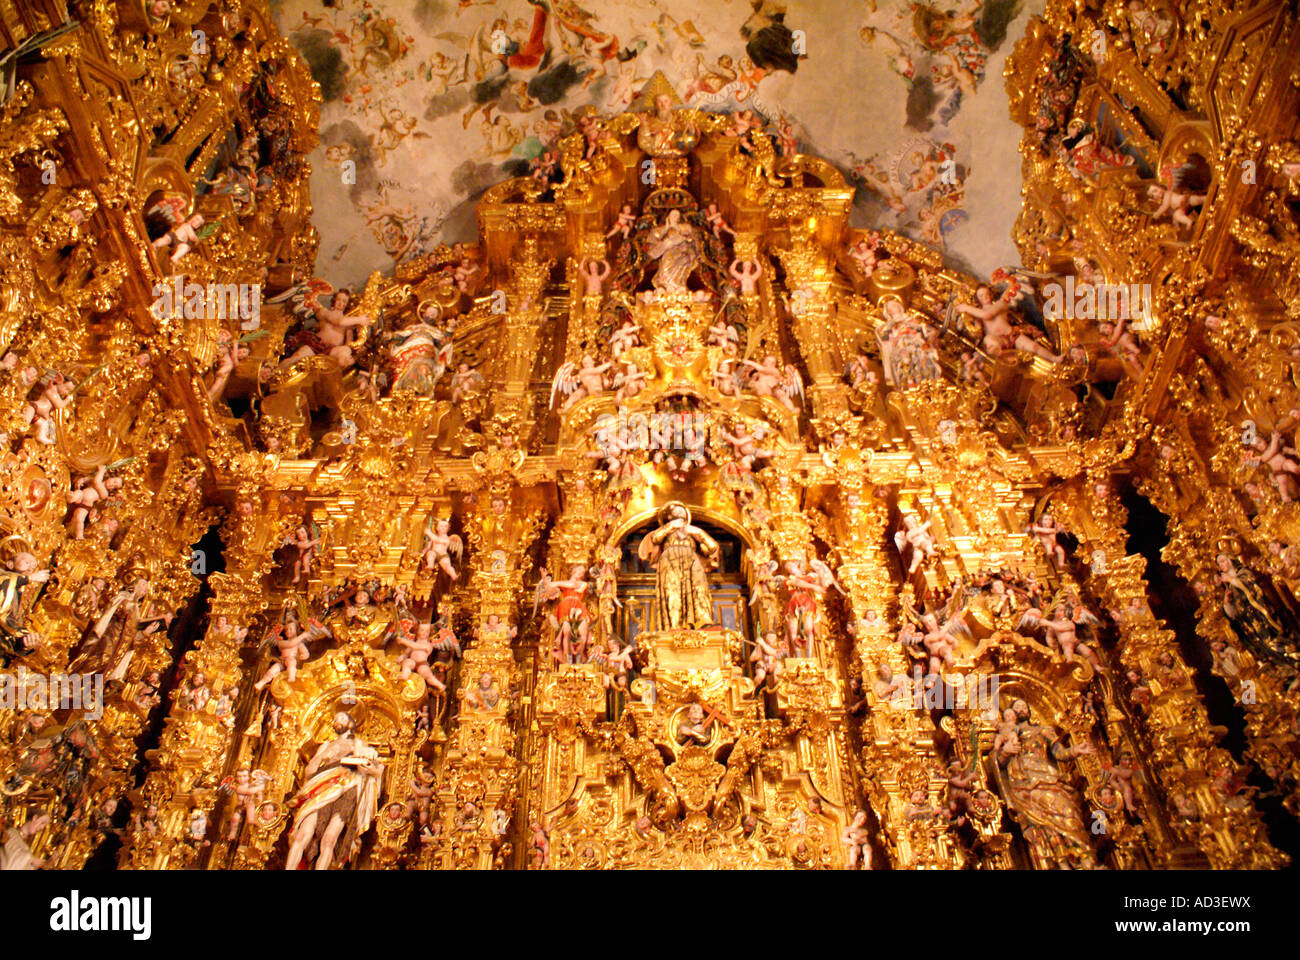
column 678, row 551
column 676, row 247
column 337, row 800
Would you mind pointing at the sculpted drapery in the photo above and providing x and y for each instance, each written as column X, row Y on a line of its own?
column 678, row 550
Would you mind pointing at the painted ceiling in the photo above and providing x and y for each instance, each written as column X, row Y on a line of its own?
column 429, row 102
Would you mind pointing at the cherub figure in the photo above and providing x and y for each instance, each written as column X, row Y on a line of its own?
column 717, row 223
column 578, row 381
column 1045, row 531
column 247, row 786
column 1006, row 743
column 417, row 804
column 726, row 379
column 917, row 536
column 724, row 335
column 863, row 253
column 332, row 337
column 627, row 336
column 999, row 335
column 593, row 274
column 539, row 846
column 55, row 395
column 745, row 445
column 292, row 648
column 419, row 648
column 628, row 382
column 746, row 273
column 1119, row 341
column 1174, row 203
column 768, row 658
column 465, row 382
column 769, row 379
column 184, row 232
column 1122, row 773
column 305, row 545
column 887, row 687
column 974, row 370
column 440, row 544
column 617, row 662
column 1279, row 457
column 85, row 495
column 959, row 784
column 624, row 222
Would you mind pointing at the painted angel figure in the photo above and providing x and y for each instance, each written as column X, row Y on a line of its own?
column 419, row 646
column 465, row 382
column 716, row 221
column 1061, row 630
column 86, row 494
column 768, row 658
column 858, row 372
column 863, row 253
column 1045, row 531
column 917, row 536
column 765, row 578
column 769, row 379
column 335, row 325
column 578, row 381
column 1118, row 340
column 629, row 382
column 1000, row 336
column 305, row 544
column 248, row 786
column 624, row 222
column 1175, row 200
column 439, row 546
column 184, row 232
column 291, row 648
column 724, row 335
column 624, row 338
column 801, row 613
column 593, row 274
column 746, row 274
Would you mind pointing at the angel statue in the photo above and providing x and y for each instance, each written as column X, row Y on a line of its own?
column 678, row 551
column 184, row 232
column 333, row 335
column 918, row 537
column 247, row 786
column 578, row 381
column 439, row 544
column 337, row 800
column 770, row 379
column 676, row 247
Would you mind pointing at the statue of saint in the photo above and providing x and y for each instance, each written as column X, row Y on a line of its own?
column 662, row 134
column 1045, row 803
column 678, row 551
column 337, row 800
column 677, row 249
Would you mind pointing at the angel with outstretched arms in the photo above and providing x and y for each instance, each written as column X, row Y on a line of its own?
column 334, row 333
column 291, row 648
column 770, row 379
column 439, row 546
column 578, row 381
column 247, row 786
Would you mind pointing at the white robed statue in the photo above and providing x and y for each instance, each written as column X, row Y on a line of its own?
column 338, row 799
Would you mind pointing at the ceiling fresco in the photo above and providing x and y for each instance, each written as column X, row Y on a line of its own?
column 428, row 103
